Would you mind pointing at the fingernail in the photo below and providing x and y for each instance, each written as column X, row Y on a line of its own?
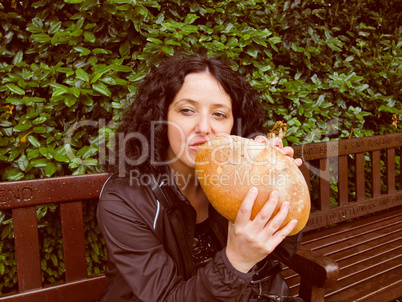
column 286, row 204
column 254, row 190
column 275, row 194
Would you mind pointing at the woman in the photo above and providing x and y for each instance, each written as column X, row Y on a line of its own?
column 180, row 105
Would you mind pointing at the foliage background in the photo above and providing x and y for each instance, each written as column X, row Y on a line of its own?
column 328, row 69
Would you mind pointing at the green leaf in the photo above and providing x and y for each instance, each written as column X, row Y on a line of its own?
column 50, row 169
column 39, row 129
column 89, row 36
column 39, row 120
column 18, row 57
column 33, row 140
column 15, row 89
column 101, row 88
column 54, row 27
column 23, row 162
column 13, row 174
column 190, row 18
column 59, row 92
column 124, row 48
column 154, row 40
column 82, row 75
column 61, row 158
column 40, row 163
column 41, row 38
column 73, row 1
column 70, row 100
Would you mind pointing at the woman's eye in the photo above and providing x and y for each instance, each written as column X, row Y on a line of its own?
column 220, row 115
column 186, row 111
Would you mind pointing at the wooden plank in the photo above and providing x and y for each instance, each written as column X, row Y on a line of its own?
column 72, row 223
column 347, row 146
column 341, row 229
column 87, row 290
column 360, row 178
column 339, row 214
column 306, row 173
column 27, row 248
column 369, row 280
column 50, row 190
column 343, row 180
column 391, row 170
column 356, row 245
column 367, row 259
column 390, row 292
column 376, row 173
column 400, row 168
column 325, row 192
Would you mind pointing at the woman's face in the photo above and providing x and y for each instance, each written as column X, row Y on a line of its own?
column 200, row 110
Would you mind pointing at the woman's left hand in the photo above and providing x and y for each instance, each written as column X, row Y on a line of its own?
column 277, row 142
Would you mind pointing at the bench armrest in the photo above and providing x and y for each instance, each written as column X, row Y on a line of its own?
column 317, row 272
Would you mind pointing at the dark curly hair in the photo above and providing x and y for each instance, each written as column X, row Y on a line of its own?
column 141, row 138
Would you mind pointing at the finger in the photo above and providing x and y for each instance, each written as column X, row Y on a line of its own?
column 278, row 237
column 276, row 142
column 261, row 139
column 285, row 231
column 269, row 207
column 244, row 214
column 288, row 151
column 298, row 162
column 274, row 224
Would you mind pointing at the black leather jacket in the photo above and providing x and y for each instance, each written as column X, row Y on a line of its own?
column 144, row 259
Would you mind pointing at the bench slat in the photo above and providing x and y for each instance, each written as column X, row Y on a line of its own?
column 87, row 290
column 360, row 177
column 391, row 291
column 306, row 173
column 391, row 170
column 365, row 247
column 339, row 231
column 73, row 240
column 357, row 239
column 325, row 191
column 27, row 248
column 350, row 289
column 376, row 173
column 343, row 195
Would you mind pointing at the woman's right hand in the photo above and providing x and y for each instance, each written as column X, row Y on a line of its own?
column 250, row 241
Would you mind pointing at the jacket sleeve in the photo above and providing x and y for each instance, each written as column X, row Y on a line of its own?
column 139, row 257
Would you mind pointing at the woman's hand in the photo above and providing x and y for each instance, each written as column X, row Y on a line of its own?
column 277, row 142
column 250, row 241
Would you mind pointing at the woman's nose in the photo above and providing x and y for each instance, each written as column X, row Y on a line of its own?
column 203, row 125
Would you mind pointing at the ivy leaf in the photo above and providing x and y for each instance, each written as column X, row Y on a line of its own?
column 61, row 158
column 50, row 169
column 190, row 18
column 82, row 75
column 13, row 174
column 33, row 140
column 101, row 88
column 40, row 163
column 15, row 89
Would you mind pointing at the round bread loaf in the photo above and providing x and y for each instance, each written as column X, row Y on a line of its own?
column 228, row 166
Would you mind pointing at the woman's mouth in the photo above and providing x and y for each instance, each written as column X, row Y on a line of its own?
column 196, row 146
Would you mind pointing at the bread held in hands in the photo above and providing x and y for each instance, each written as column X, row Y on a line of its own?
column 228, row 166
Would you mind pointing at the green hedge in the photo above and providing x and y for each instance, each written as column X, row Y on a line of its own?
column 67, row 68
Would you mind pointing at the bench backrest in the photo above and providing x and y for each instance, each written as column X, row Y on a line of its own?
column 22, row 197
column 326, row 164
column 359, row 174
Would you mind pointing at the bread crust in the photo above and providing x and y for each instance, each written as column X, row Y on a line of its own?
column 228, row 166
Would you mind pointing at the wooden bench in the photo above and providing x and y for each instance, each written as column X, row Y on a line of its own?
column 362, row 232
column 22, row 197
column 317, row 274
